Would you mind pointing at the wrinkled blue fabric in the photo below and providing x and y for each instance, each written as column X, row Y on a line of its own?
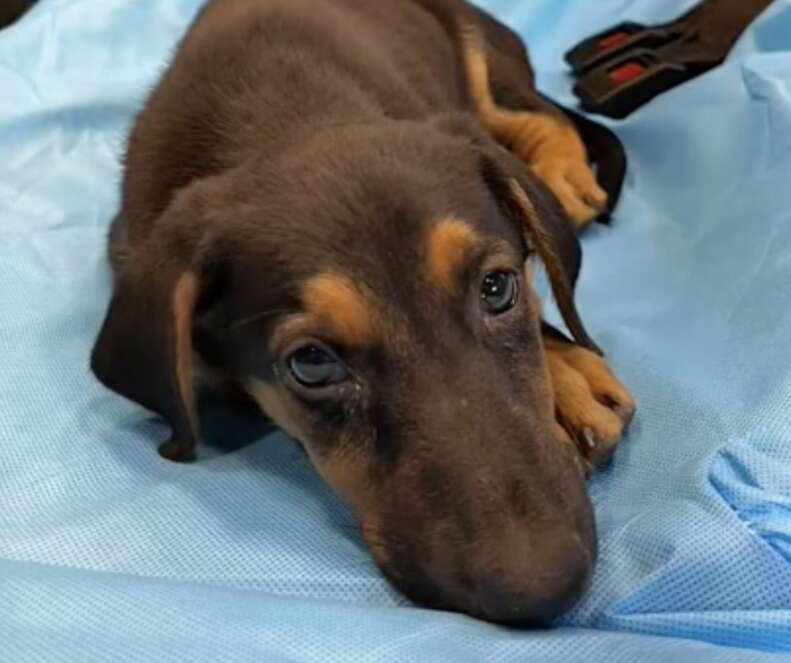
column 109, row 553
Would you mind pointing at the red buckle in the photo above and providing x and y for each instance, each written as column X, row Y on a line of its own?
column 628, row 82
column 627, row 72
column 613, row 40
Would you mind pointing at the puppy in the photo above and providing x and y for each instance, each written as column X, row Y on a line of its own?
column 331, row 207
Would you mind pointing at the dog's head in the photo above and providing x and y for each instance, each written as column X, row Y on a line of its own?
column 370, row 291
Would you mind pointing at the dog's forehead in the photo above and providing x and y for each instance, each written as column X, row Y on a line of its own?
column 375, row 226
column 372, row 225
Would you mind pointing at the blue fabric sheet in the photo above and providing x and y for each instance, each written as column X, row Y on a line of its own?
column 109, row 553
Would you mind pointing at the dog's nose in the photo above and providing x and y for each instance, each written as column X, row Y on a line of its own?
column 546, row 585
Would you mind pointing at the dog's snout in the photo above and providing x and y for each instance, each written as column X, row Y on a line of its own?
column 540, row 587
column 499, row 603
column 506, row 581
column 501, row 543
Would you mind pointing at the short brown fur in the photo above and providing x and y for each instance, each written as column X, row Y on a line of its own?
column 301, row 190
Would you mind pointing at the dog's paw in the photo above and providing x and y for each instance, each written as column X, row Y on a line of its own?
column 573, row 183
column 593, row 409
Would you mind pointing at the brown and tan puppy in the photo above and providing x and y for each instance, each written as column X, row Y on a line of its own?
column 330, row 206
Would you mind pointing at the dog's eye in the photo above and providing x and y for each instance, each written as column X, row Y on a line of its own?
column 316, row 367
column 499, row 292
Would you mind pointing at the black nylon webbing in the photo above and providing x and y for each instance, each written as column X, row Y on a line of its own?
column 620, row 69
column 714, row 26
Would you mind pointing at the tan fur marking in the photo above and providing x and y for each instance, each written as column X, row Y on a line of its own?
column 343, row 468
column 576, row 403
column 591, row 405
column 523, row 132
column 185, row 296
column 603, row 384
column 337, row 301
column 274, row 406
column 449, row 246
column 552, row 147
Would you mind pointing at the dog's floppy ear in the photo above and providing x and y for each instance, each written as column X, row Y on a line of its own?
column 144, row 349
column 547, row 230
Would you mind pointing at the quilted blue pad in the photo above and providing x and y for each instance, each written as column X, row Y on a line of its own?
column 109, row 553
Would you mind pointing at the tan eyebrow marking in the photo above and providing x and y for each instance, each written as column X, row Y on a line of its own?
column 449, row 246
column 338, row 302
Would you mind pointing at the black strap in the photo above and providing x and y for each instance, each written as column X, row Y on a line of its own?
column 626, row 66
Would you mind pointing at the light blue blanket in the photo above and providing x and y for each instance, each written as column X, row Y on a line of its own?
column 109, row 553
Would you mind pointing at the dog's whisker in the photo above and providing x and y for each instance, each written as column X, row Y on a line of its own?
column 255, row 318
